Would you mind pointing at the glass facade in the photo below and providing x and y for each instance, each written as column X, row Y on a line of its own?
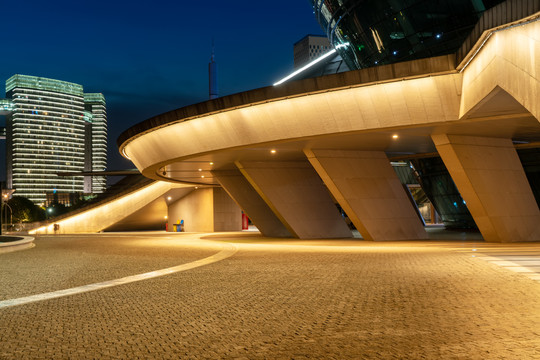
column 441, row 190
column 408, row 178
column 443, row 193
column 530, row 159
column 372, row 32
column 46, row 135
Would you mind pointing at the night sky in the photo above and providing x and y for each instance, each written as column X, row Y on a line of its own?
column 151, row 57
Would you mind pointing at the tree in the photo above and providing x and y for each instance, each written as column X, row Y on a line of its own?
column 25, row 210
column 56, row 209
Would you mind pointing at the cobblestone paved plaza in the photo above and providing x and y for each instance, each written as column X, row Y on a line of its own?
column 272, row 299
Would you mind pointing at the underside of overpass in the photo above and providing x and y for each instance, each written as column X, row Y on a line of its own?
column 152, row 205
column 286, row 153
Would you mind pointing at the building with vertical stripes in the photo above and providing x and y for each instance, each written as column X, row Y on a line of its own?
column 96, row 152
column 53, row 127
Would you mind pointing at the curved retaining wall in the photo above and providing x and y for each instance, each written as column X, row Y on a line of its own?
column 25, row 242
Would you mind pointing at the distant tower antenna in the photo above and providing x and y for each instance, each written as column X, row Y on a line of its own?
column 212, row 76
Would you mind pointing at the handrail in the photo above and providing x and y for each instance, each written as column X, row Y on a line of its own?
column 503, row 14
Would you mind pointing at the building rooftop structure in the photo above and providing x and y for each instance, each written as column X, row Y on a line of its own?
column 41, row 83
column 309, row 48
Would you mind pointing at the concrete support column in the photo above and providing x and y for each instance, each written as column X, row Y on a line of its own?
column 206, row 210
column 298, row 197
column 250, row 201
column 491, row 180
column 368, row 189
column 227, row 214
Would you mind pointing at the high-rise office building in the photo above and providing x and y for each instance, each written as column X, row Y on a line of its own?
column 53, row 127
column 96, row 152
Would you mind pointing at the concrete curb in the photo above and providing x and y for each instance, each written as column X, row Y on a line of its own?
column 26, row 242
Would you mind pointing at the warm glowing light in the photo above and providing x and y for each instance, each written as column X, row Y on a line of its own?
column 202, row 176
column 165, row 217
column 378, row 41
column 100, row 217
column 125, row 154
column 211, row 163
column 395, row 136
column 273, row 151
column 322, row 57
column 200, row 169
column 169, row 198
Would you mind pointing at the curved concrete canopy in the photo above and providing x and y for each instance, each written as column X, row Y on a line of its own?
column 495, row 95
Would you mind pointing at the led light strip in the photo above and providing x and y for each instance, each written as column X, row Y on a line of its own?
column 317, row 60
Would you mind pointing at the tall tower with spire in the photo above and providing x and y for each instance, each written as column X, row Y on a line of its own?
column 212, row 76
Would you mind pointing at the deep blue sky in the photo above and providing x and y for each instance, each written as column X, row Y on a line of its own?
column 151, row 57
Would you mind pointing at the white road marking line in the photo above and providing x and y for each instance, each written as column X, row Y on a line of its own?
column 516, row 262
column 519, row 269
column 520, row 261
column 228, row 251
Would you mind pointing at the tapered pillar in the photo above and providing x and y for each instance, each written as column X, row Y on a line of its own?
column 298, row 197
column 368, row 189
column 251, row 203
column 491, row 180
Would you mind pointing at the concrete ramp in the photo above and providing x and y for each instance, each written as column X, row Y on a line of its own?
column 106, row 214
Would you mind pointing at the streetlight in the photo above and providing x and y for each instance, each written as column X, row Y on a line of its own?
column 10, row 214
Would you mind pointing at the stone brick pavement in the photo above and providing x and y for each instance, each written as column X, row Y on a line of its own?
column 272, row 300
